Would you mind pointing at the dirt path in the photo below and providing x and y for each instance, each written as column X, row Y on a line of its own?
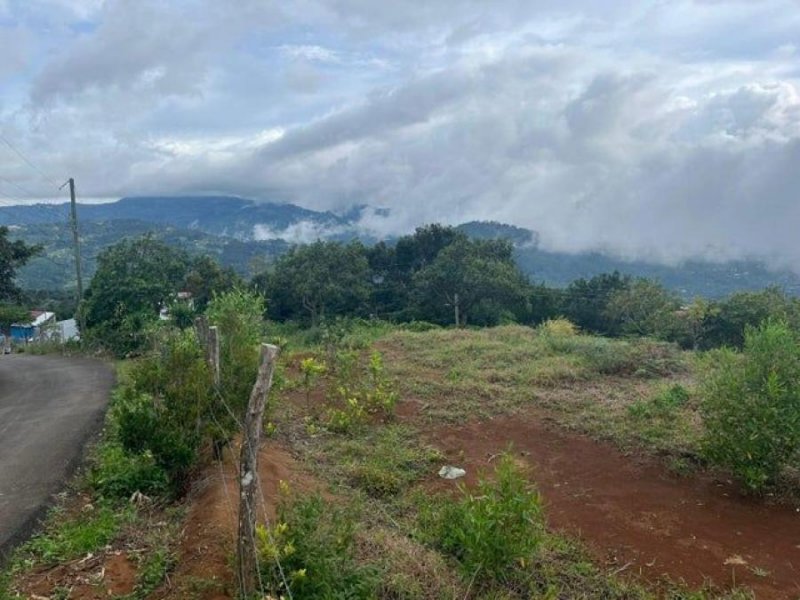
column 636, row 516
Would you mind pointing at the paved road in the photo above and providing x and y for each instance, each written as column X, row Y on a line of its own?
column 49, row 406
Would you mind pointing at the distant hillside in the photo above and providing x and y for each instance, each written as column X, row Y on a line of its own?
column 55, row 269
column 227, row 228
column 222, row 215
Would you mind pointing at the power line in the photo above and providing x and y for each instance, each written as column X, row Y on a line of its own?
column 18, row 186
column 27, row 160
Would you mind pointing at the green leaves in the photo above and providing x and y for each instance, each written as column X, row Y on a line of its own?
column 751, row 406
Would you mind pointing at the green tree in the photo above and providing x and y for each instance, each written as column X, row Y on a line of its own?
column 471, row 281
column 13, row 255
column 205, row 277
column 727, row 322
column 751, row 405
column 12, row 313
column 134, row 278
column 585, row 302
column 318, row 280
column 644, row 307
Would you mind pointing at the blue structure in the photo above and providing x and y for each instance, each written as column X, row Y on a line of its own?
column 25, row 332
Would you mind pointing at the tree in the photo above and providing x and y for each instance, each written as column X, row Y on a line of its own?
column 726, row 323
column 13, row 255
column 319, row 279
column 11, row 313
column 393, row 267
column 205, row 277
column 471, row 281
column 644, row 307
column 585, row 302
column 134, row 278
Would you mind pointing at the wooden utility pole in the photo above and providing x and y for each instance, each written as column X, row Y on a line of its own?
column 246, row 563
column 75, row 238
column 455, row 309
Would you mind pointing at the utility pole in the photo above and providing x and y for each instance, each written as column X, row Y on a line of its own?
column 77, row 246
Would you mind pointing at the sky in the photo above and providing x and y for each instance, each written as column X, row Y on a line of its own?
column 661, row 130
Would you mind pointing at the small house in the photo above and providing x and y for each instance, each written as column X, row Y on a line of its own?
column 40, row 321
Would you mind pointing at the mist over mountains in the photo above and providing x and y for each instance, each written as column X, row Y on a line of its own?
column 248, row 235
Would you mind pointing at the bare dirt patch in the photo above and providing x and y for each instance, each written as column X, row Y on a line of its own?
column 635, row 516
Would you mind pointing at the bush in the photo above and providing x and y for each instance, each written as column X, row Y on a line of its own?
column 495, row 530
column 118, row 474
column 239, row 316
column 314, row 544
column 162, row 410
column 751, row 406
column 559, row 327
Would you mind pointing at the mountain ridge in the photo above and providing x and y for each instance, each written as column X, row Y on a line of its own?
column 225, row 227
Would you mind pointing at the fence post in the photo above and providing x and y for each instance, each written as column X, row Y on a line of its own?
column 246, row 562
column 213, row 353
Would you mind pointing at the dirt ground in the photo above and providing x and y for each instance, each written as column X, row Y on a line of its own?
column 207, row 546
column 635, row 516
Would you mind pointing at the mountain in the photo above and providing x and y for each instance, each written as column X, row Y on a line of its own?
column 220, row 215
column 247, row 236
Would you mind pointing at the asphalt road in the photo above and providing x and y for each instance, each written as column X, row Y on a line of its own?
column 49, row 407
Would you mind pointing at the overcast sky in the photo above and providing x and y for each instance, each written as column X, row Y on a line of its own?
column 659, row 129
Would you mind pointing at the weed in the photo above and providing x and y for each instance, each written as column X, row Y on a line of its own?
column 495, row 531
column 65, row 538
column 315, row 544
column 311, row 369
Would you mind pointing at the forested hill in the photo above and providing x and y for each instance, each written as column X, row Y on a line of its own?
column 224, row 228
column 219, row 215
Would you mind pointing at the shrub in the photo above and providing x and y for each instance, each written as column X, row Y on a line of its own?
column 559, row 327
column 239, row 316
column 118, row 474
column 314, row 544
column 359, row 391
column 751, row 406
column 496, row 529
column 146, row 428
column 162, row 410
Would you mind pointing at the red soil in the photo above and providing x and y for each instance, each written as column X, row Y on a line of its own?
column 633, row 514
column 207, row 545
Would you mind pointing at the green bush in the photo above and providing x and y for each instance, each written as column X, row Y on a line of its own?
column 162, row 411
column 495, row 530
column 239, row 316
column 751, row 406
column 118, row 474
column 312, row 546
column 147, row 428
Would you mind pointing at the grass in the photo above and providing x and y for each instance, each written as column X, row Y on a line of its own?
column 607, row 388
column 638, row 393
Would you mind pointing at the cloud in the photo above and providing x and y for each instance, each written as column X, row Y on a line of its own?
column 662, row 130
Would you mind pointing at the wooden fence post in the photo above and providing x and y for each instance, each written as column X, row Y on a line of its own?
column 213, row 353
column 246, row 562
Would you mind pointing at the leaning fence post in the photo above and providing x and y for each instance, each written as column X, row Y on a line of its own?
column 246, row 562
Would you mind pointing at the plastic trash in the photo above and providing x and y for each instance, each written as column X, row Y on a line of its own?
column 449, row 472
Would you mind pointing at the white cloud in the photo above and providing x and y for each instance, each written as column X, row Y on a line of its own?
column 665, row 130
